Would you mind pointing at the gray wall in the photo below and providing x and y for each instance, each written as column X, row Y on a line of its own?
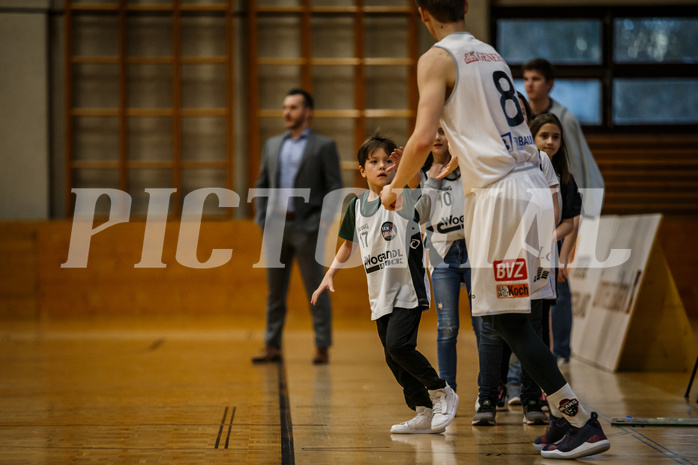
column 24, row 122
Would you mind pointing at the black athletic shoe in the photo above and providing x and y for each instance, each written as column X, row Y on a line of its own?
column 579, row 442
column 485, row 414
column 557, row 428
column 533, row 414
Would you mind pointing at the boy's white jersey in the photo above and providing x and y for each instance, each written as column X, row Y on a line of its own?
column 482, row 117
column 392, row 253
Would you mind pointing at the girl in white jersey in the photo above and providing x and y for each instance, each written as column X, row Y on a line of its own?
column 393, row 255
column 448, row 255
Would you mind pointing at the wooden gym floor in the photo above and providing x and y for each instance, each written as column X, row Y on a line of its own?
column 155, row 390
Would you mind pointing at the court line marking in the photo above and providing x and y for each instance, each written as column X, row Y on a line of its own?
column 287, row 453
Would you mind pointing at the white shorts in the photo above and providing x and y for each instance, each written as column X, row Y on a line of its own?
column 509, row 231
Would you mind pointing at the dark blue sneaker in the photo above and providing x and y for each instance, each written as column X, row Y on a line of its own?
column 557, row 428
column 579, row 442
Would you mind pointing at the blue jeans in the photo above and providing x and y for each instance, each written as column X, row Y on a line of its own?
column 448, row 275
column 561, row 316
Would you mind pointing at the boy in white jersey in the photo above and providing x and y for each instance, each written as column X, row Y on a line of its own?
column 466, row 87
column 392, row 251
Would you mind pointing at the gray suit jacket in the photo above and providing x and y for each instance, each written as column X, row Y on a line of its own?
column 318, row 170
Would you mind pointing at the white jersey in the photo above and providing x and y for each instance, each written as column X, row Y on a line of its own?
column 392, row 252
column 546, row 166
column 487, row 139
column 549, row 290
column 446, row 217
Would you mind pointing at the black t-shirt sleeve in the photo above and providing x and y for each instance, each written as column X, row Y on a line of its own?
column 571, row 199
column 347, row 230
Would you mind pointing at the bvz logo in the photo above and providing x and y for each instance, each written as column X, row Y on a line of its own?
column 510, row 270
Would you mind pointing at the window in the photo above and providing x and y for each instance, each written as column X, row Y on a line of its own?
column 577, row 41
column 655, row 40
column 615, row 67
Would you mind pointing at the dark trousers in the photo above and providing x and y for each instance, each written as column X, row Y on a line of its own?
column 536, row 358
column 300, row 245
column 398, row 334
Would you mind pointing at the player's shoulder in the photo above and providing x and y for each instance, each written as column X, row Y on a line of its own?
column 435, row 63
column 434, row 55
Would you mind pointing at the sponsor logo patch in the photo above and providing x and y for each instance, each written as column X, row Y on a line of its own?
column 510, row 270
column 472, row 57
column 388, row 231
column 383, row 260
column 512, row 291
column 542, row 273
column 569, row 407
column 450, row 224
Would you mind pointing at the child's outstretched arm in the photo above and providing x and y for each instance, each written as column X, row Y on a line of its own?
column 340, row 259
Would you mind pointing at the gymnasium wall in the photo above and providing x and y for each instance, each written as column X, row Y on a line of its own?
column 641, row 174
column 33, row 286
column 24, row 100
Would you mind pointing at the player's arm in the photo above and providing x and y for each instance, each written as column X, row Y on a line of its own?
column 564, row 229
column 396, row 155
column 435, row 75
column 556, row 204
column 567, row 249
column 343, row 254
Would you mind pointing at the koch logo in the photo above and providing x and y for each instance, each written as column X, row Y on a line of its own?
column 512, row 291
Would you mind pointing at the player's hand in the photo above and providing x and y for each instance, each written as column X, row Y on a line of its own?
column 395, row 155
column 563, row 273
column 327, row 283
column 450, row 168
column 436, row 169
column 390, row 198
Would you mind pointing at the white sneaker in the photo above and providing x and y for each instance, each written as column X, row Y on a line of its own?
column 444, row 404
column 420, row 424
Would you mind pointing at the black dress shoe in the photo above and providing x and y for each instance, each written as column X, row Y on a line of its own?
column 322, row 356
column 268, row 355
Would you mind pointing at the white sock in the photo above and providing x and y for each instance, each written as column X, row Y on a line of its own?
column 564, row 403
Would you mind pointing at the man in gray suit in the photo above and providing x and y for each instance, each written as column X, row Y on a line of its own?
column 298, row 159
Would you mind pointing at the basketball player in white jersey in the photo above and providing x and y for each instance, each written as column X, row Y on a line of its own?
column 466, row 88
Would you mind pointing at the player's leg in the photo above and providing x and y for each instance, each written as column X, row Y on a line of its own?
column 561, row 321
column 401, row 344
column 489, row 355
column 530, row 391
column 416, row 394
column 445, row 280
column 584, row 436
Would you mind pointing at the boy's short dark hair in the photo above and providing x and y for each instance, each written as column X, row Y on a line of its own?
column 541, row 65
column 446, row 11
column 307, row 98
column 372, row 144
